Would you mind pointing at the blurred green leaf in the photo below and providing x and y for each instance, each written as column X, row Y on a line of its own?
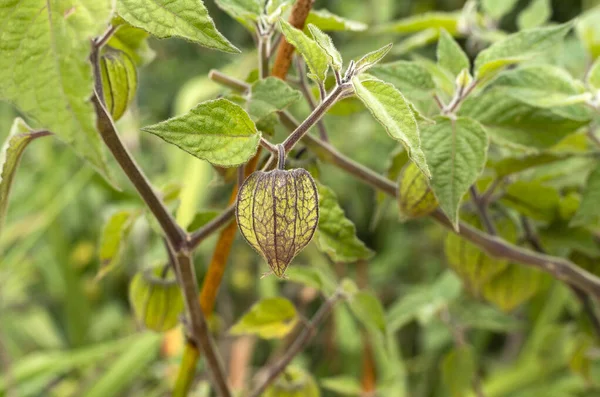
column 201, row 219
column 497, row 9
column 19, row 137
column 326, row 21
column 405, row 75
column 518, row 47
column 423, row 301
column 458, row 370
column 342, row 385
column 513, row 286
column 450, row 55
column 173, row 19
column 128, row 367
column 270, row 318
column 417, row 23
column 588, row 213
column 336, row 235
column 515, row 164
column 218, row 131
column 369, row 311
column 312, row 277
column 537, row 13
column 515, row 124
column 132, row 41
column 114, row 233
column 532, row 199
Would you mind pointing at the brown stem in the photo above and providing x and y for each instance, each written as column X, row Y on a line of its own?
column 299, row 344
column 283, row 60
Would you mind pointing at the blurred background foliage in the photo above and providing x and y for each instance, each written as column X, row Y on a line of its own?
column 65, row 333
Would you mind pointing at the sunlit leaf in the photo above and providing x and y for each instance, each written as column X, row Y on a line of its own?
column 45, row 70
column 513, row 287
column 187, row 19
column 314, row 56
column 393, row 111
column 372, row 58
column 270, row 318
column 436, row 20
column 218, row 131
column 325, row 42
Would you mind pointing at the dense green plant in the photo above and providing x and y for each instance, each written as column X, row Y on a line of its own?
column 496, row 143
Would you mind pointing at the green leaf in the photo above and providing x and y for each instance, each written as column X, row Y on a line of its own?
column 187, row 19
column 312, row 277
column 416, row 41
column 514, row 286
column 336, row 235
column 514, row 164
column 248, row 10
column 393, row 111
column 518, row 47
column 271, row 318
column 593, row 77
column 201, row 219
column 474, row 266
column 537, row 13
column 343, row 385
column 372, row 58
column 588, row 213
column 405, row 75
column 268, row 96
column 45, row 70
column 133, row 42
column 458, row 370
column 369, row 311
column 517, row 124
column 532, row 199
column 327, row 22
column 314, row 56
column 423, row 301
column 128, row 367
column 456, row 151
column 588, row 30
column 436, row 20
column 115, row 231
column 545, row 86
column 218, row 131
column 450, row 55
column 325, row 42
column 497, row 9
column 19, row 137
column 478, row 315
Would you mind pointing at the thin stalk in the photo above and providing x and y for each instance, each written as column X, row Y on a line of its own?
column 297, row 346
column 482, row 209
column 263, row 55
column 305, row 89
